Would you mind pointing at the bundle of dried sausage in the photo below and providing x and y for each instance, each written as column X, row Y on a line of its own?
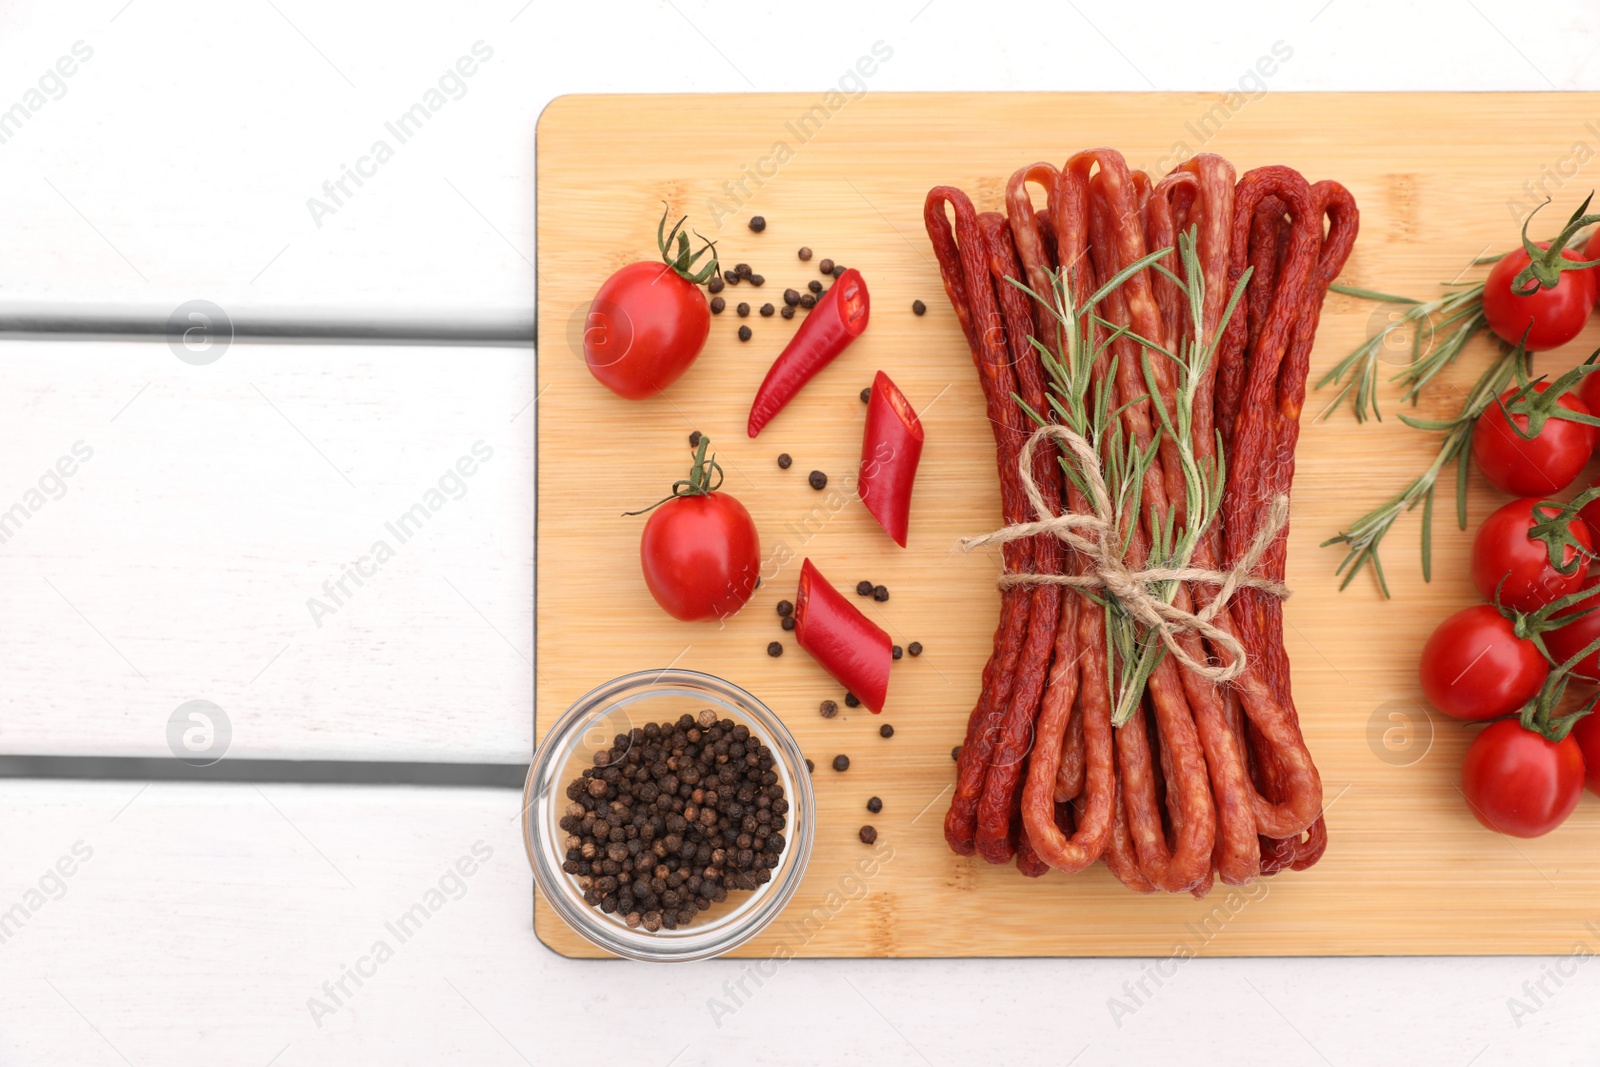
column 1201, row 779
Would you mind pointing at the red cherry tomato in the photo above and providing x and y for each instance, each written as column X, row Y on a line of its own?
column 1540, row 466
column 1587, row 734
column 1504, row 556
column 1551, row 317
column 1567, row 641
column 1519, row 783
column 646, row 325
column 701, row 556
column 1475, row 667
column 1588, row 389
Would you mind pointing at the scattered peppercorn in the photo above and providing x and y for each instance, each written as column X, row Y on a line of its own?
column 758, row 280
column 694, row 439
column 826, row 266
column 717, row 304
column 716, row 283
column 757, row 223
column 841, row 763
column 886, row 730
column 866, row 395
column 915, row 648
column 742, row 270
column 868, row 835
column 788, row 622
column 814, row 285
column 805, row 255
column 918, row 308
column 895, row 651
column 808, row 301
column 786, row 311
column 774, row 648
column 810, row 766
column 743, row 309
column 730, row 278
column 791, row 297
column 784, row 459
column 818, row 480
column 863, row 588
column 744, row 333
column 880, row 593
column 875, row 805
column 672, row 817
column 955, row 753
column 828, row 709
column 838, row 270
column 767, row 310
column 851, row 700
column 785, row 607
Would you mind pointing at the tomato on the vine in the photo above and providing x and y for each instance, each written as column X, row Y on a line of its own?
column 649, row 321
column 1507, row 558
column 1549, row 317
column 1520, row 783
column 700, row 553
column 1475, row 667
column 1571, row 638
column 1541, row 465
column 1587, row 733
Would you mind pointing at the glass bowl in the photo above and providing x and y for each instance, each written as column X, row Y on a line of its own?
column 591, row 724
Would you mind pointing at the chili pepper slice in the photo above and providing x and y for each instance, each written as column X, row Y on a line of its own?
column 838, row 319
column 890, row 450
column 850, row 646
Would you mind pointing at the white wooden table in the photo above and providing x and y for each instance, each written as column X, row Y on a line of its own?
column 237, row 923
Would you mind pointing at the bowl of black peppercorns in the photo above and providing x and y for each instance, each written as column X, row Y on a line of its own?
column 668, row 816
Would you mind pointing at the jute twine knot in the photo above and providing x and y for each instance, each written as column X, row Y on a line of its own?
column 1096, row 539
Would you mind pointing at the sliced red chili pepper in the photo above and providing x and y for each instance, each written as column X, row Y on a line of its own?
column 838, row 319
column 890, row 450
column 850, row 646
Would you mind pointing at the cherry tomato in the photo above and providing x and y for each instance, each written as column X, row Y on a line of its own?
column 701, row 556
column 1475, row 667
column 1506, row 557
column 1551, row 317
column 1519, row 783
column 1540, row 466
column 1567, row 641
column 1588, row 389
column 646, row 325
column 1587, row 734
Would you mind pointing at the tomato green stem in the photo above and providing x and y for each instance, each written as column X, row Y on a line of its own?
column 1546, row 265
column 680, row 260
column 705, row 478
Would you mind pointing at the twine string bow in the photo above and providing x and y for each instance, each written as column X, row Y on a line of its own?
column 1096, row 538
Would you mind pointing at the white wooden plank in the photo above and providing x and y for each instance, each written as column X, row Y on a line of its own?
column 180, row 560
column 179, row 159
column 207, row 916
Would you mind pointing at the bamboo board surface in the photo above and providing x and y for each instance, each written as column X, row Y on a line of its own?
column 1439, row 179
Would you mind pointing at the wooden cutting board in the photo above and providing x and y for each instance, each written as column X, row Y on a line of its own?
column 1440, row 179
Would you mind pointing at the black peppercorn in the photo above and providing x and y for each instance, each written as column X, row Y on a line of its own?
column 694, row 439
column 866, row 395
column 767, row 310
column 851, row 700
column 841, row 763
column 914, row 648
column 955, row 753
column 717, row 304
column 744, row 333
column 918, row 308
column 810, row 766
column 758, row 280
column 880, row 593
column 774, row 648
column 730, row 278
column 886, row 730
column 826, row 266
column 805, row 255
column 874, row 805
column 786, row 311
column 757, row 223
column 788, row 622
column 791, row 297
column 839, row 269
column 742, row 270
column 784, row 459
column 743, row 309
column 715, row 285
column 863, row 588
column 895, row 651
column 814, row 285
column 868, row 835
column 808, row 301
column 818, row 480
column 828, row 709
column 785, row 607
